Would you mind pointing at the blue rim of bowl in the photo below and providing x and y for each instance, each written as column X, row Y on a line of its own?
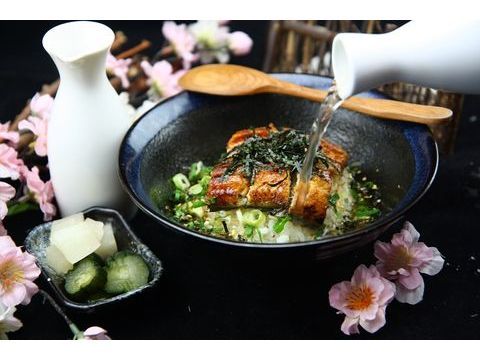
column 386, row 220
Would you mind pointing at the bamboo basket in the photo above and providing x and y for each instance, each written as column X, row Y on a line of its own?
column 305, row 47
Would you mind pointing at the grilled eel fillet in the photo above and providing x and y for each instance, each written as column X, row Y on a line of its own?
column 272, row 188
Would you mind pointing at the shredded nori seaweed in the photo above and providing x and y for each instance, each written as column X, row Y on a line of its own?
column 284, row 149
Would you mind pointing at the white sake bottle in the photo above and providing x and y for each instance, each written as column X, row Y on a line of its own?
column 439, row 54
column 88, row 120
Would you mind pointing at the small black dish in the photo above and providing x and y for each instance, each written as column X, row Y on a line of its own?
column 38, row 240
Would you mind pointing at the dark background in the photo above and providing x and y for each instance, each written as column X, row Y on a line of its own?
column 208, row 292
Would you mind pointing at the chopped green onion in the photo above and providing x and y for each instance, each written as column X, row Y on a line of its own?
column 195, row 171
column 181, row 182
column 178, row 196
column 332, row 200
column 195, row 189
column 206, row 171
column 218, row 226
column 365, row 212
column 320, row 232
column 180, row 211
column 354, row 193
column 260, row 237
column 204, row 181
column 198, row 203
column 249, row 229
column 254, row 218
column 280, row 223
column 198, row 211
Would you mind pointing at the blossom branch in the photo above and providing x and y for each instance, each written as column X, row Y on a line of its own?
column 73, row 328
column 144, row 45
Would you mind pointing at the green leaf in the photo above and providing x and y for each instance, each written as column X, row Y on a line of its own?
column 21, row 207
column 280, row 223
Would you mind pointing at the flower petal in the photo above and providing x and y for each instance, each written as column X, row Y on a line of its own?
column 31, row 289
column 360, row 275
column 420, row 254
column 414, row 234
column 12, row 136
column 403, row 238
column 382, row 250
column 337, row 295
column 434, row 266
column 387, row 294
column 28, row 125
column 375, row 324
column 370, row 312
column 412, row 281
column 7, row 191
column 6, row 242
column 408, row 296
column 350, row 326
column 15, row 295
column 8, row 322
column 3, row 210
column 240, row 43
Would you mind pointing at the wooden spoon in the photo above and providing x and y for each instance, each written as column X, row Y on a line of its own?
column 233, row 80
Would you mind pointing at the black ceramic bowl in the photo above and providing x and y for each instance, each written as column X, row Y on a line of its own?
column 400, row 157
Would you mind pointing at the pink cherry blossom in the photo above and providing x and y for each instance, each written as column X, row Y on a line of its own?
column 239, row 43
column 39, row 127
column 212, row 40
column 119, row 68
column 10, row 164
column 404, row 259
column 7, row 135
column 363, row 300
column 182, row 40
column 7, row 192
column 41, row 191
column 8, row 322
column 41, row 106
column 96, row 333
column 161, row 78
column 17, row 273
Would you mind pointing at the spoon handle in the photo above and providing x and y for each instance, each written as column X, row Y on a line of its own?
column 398, row 110
column 381, row 108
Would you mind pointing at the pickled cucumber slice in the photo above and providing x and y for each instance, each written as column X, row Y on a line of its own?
column 87, row 277
column 126, row 271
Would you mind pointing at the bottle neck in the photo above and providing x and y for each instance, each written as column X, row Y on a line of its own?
column 89, row 70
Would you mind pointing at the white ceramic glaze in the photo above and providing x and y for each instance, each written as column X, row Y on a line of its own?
column 442, row 55
column 88, row 120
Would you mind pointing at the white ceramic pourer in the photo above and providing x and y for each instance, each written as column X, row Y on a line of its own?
column 439, row 55
column 88, row 120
